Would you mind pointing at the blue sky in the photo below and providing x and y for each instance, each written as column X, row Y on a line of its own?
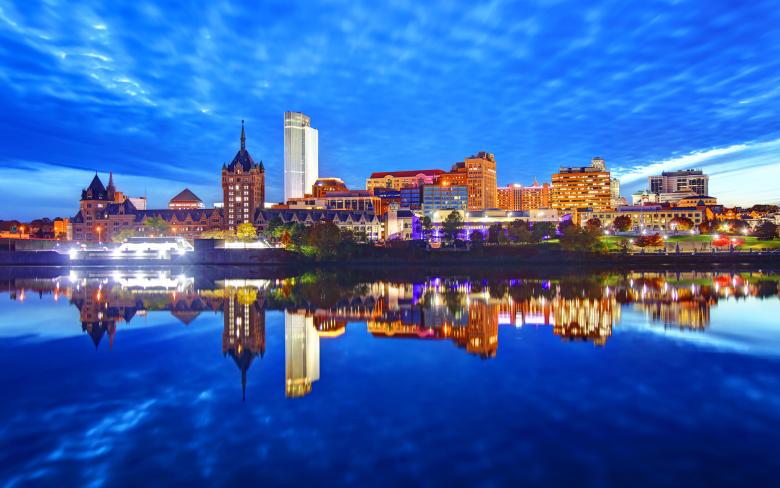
column 156, row 93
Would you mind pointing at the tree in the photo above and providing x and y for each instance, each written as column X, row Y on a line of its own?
column 734, row 226
column 652, row 240
column 542, row 230
column 622, row 223
column 246, row 231
column 593, row 223
column 427, row 227
column 123, row 235
column 156, row 226
column 765, row 231
column 324, row 238
column 273, row 230
column 452, row 226
column 574, row 238
column 476, row 238
column 707, row 227
column 519, row 232
column 218, row 234
column 682, row 224
column 494, row 231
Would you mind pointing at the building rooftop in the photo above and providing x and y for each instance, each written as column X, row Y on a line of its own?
column 186, row 195
column 408, row 174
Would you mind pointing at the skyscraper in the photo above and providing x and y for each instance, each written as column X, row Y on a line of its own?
column 243, row 187
column 301, row 155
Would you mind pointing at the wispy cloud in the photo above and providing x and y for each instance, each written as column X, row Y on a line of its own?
column 150, row 89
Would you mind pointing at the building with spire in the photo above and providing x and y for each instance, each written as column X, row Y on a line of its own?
column 243, row 187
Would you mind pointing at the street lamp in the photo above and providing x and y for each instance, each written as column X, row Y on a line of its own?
column 98, row 229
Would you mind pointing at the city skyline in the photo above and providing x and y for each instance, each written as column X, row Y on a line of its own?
column 656, row 88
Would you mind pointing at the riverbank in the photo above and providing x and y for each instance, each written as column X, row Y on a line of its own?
column 495, row 257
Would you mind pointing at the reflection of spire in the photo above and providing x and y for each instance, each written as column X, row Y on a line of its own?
column 243, row 336
column 243, row 137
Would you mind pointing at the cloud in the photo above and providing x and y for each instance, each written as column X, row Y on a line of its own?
column 159, row 90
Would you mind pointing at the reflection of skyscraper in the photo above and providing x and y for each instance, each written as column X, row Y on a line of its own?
column 301, row 156
column 302, row 354
column 243, row 335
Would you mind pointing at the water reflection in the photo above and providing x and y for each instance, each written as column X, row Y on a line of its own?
column 316, row 306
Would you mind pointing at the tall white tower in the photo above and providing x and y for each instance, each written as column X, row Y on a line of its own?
column 301, row 155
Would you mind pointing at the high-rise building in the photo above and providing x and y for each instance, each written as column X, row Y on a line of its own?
column 575, row 188
column 243, row 187
column 402, row 179
column 301, row 155
column 508, row 197
column 517, row 197
column 482, row 183
column 535, row 196
column 686, row 181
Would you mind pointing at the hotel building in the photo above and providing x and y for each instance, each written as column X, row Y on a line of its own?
column 481, row 170
column 508, row 197
column 301, row 155
column 402, row 179
column 535, row 196
column 243, row 186
column 575, row 188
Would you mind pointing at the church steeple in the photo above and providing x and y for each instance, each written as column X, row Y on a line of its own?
column 243, row 137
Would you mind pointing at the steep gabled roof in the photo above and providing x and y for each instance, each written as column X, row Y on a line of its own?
column 95, row 190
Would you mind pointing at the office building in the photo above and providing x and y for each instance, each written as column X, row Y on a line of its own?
column 301, row 155
column 435, row 197
column 689, row 181
column 411, row 198
column 575, row 188
column 243, row 186
column 402, row 179
column 481, row 169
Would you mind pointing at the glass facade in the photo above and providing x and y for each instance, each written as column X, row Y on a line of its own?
column 444, row 198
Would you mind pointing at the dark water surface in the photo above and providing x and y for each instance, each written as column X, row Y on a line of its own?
column 215, row 377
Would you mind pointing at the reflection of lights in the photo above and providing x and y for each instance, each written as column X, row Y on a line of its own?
column 73, row 254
